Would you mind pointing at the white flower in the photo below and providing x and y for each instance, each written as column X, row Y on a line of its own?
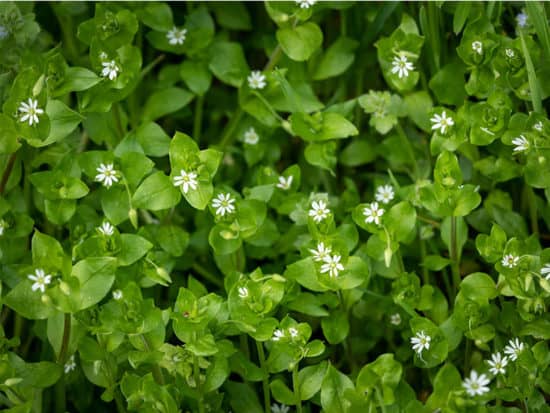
column 186, row 180
column 522, row 144
column 510, row 261
column 293, row 332
column 384, row 194
column 243, row 292
column 538, row 126
column 256, row 80
column 41, row 279
column 29, row 111
column 319, row 211
column 223, row 204
column 476, row 384
column 285, row 183
column 420, row 342
column 514, row 348
column 321, row 252
column 332, row 265
column 373, row 213
column 70, row 365
column 521, row 19
column 110, row 69
column 117, row 294
column 305, row 4
column 106, row 229
column 497, row 363
column 2, row 226
column 107, row 174
column 401, row 66
column 278, row 334
column 545, row 271
column 282, row 408
column 4, row 32
column 442, row 122
column 103, row 56
column 395, row 319
column 176, row 36
column 477, row 47
column 251, row 137
column 509, row 53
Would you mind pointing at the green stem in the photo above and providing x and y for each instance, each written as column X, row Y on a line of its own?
column 7, row 172
column 60, row 396
column 407, row 144
column 118, row 120
column 207, row 275
column 265, row 379
column 296, row 387
column 145, row 71
column 62, row 357
column 198, row 385
column 453, row 253
column 425, row 272
column 348, row 351
column 467, row 356
column 534, row 84
column 230, row 128
column 157, row 372
column 197, row 122
column 532, row 200
column 274, row 58
column 380, row 400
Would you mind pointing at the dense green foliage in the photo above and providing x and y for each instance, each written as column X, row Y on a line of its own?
column 274, row 207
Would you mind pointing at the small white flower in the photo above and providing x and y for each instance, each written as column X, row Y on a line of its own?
column 186, row 180
column 29, row 111
column 509, row 53
column 521, row 19
column 103, row 56
column 117, row 294
column 279, row 408
column 40, row 278
column 545, row 271
column 110, row 69
column 373, row 213
column 538, row 126
column 497, row 363
column 510, row 261
column 285, row 183
column 251, row 137
column 278, row 334
column 319, row 211
column 305, row 4
column 420, row 342
column 442, row 122
column 107, row 174
column 477, row 47
column 321, row 252
column 2, row 226
column 332, row 265
column 70, row 365
column 256, row 80
column 521, row 143
column 401, row 66
column 243, row 292
column 106, row 229
column 224, row 204
column 476, row 384
column 4, row 32
column 395, row 319
column 176, row 36
column 293, row 332
column 384, row 194
column 514, row 348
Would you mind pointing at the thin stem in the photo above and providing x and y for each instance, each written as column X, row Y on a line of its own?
column 197, row 377
column 60, row 396
column 265, row 379
column 197, row 122
column 295, row 385
column 532, row 200
column 118, row 120
column 274, row 58
column 380, row 400
column 62, row 357
column 157, row 372
column 151, row 66
column 408, row 146
column 425, row 272
column 455, row 264
column 206, row 274
column 7, row 172
column 347, row 342
column 428, row 221
column 230, row 128
column 467, row 353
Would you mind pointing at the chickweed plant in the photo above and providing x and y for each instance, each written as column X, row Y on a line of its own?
column 279, row 207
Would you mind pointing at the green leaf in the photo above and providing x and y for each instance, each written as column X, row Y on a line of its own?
column 172, row 239
column 335, row 327
column 478, row 286
column 322, row 155
column 96, row 276
column 157, row 16
column 300, row 42
column 76, row 79
column 322, row 126
column 27, row 303
column 310, row 380
column 132, row 248
column 333, row 391
column 337, row 59
column 228, row 64
column 196, row 76
column 155, row 193
column 153, row 139
column 166, row 101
